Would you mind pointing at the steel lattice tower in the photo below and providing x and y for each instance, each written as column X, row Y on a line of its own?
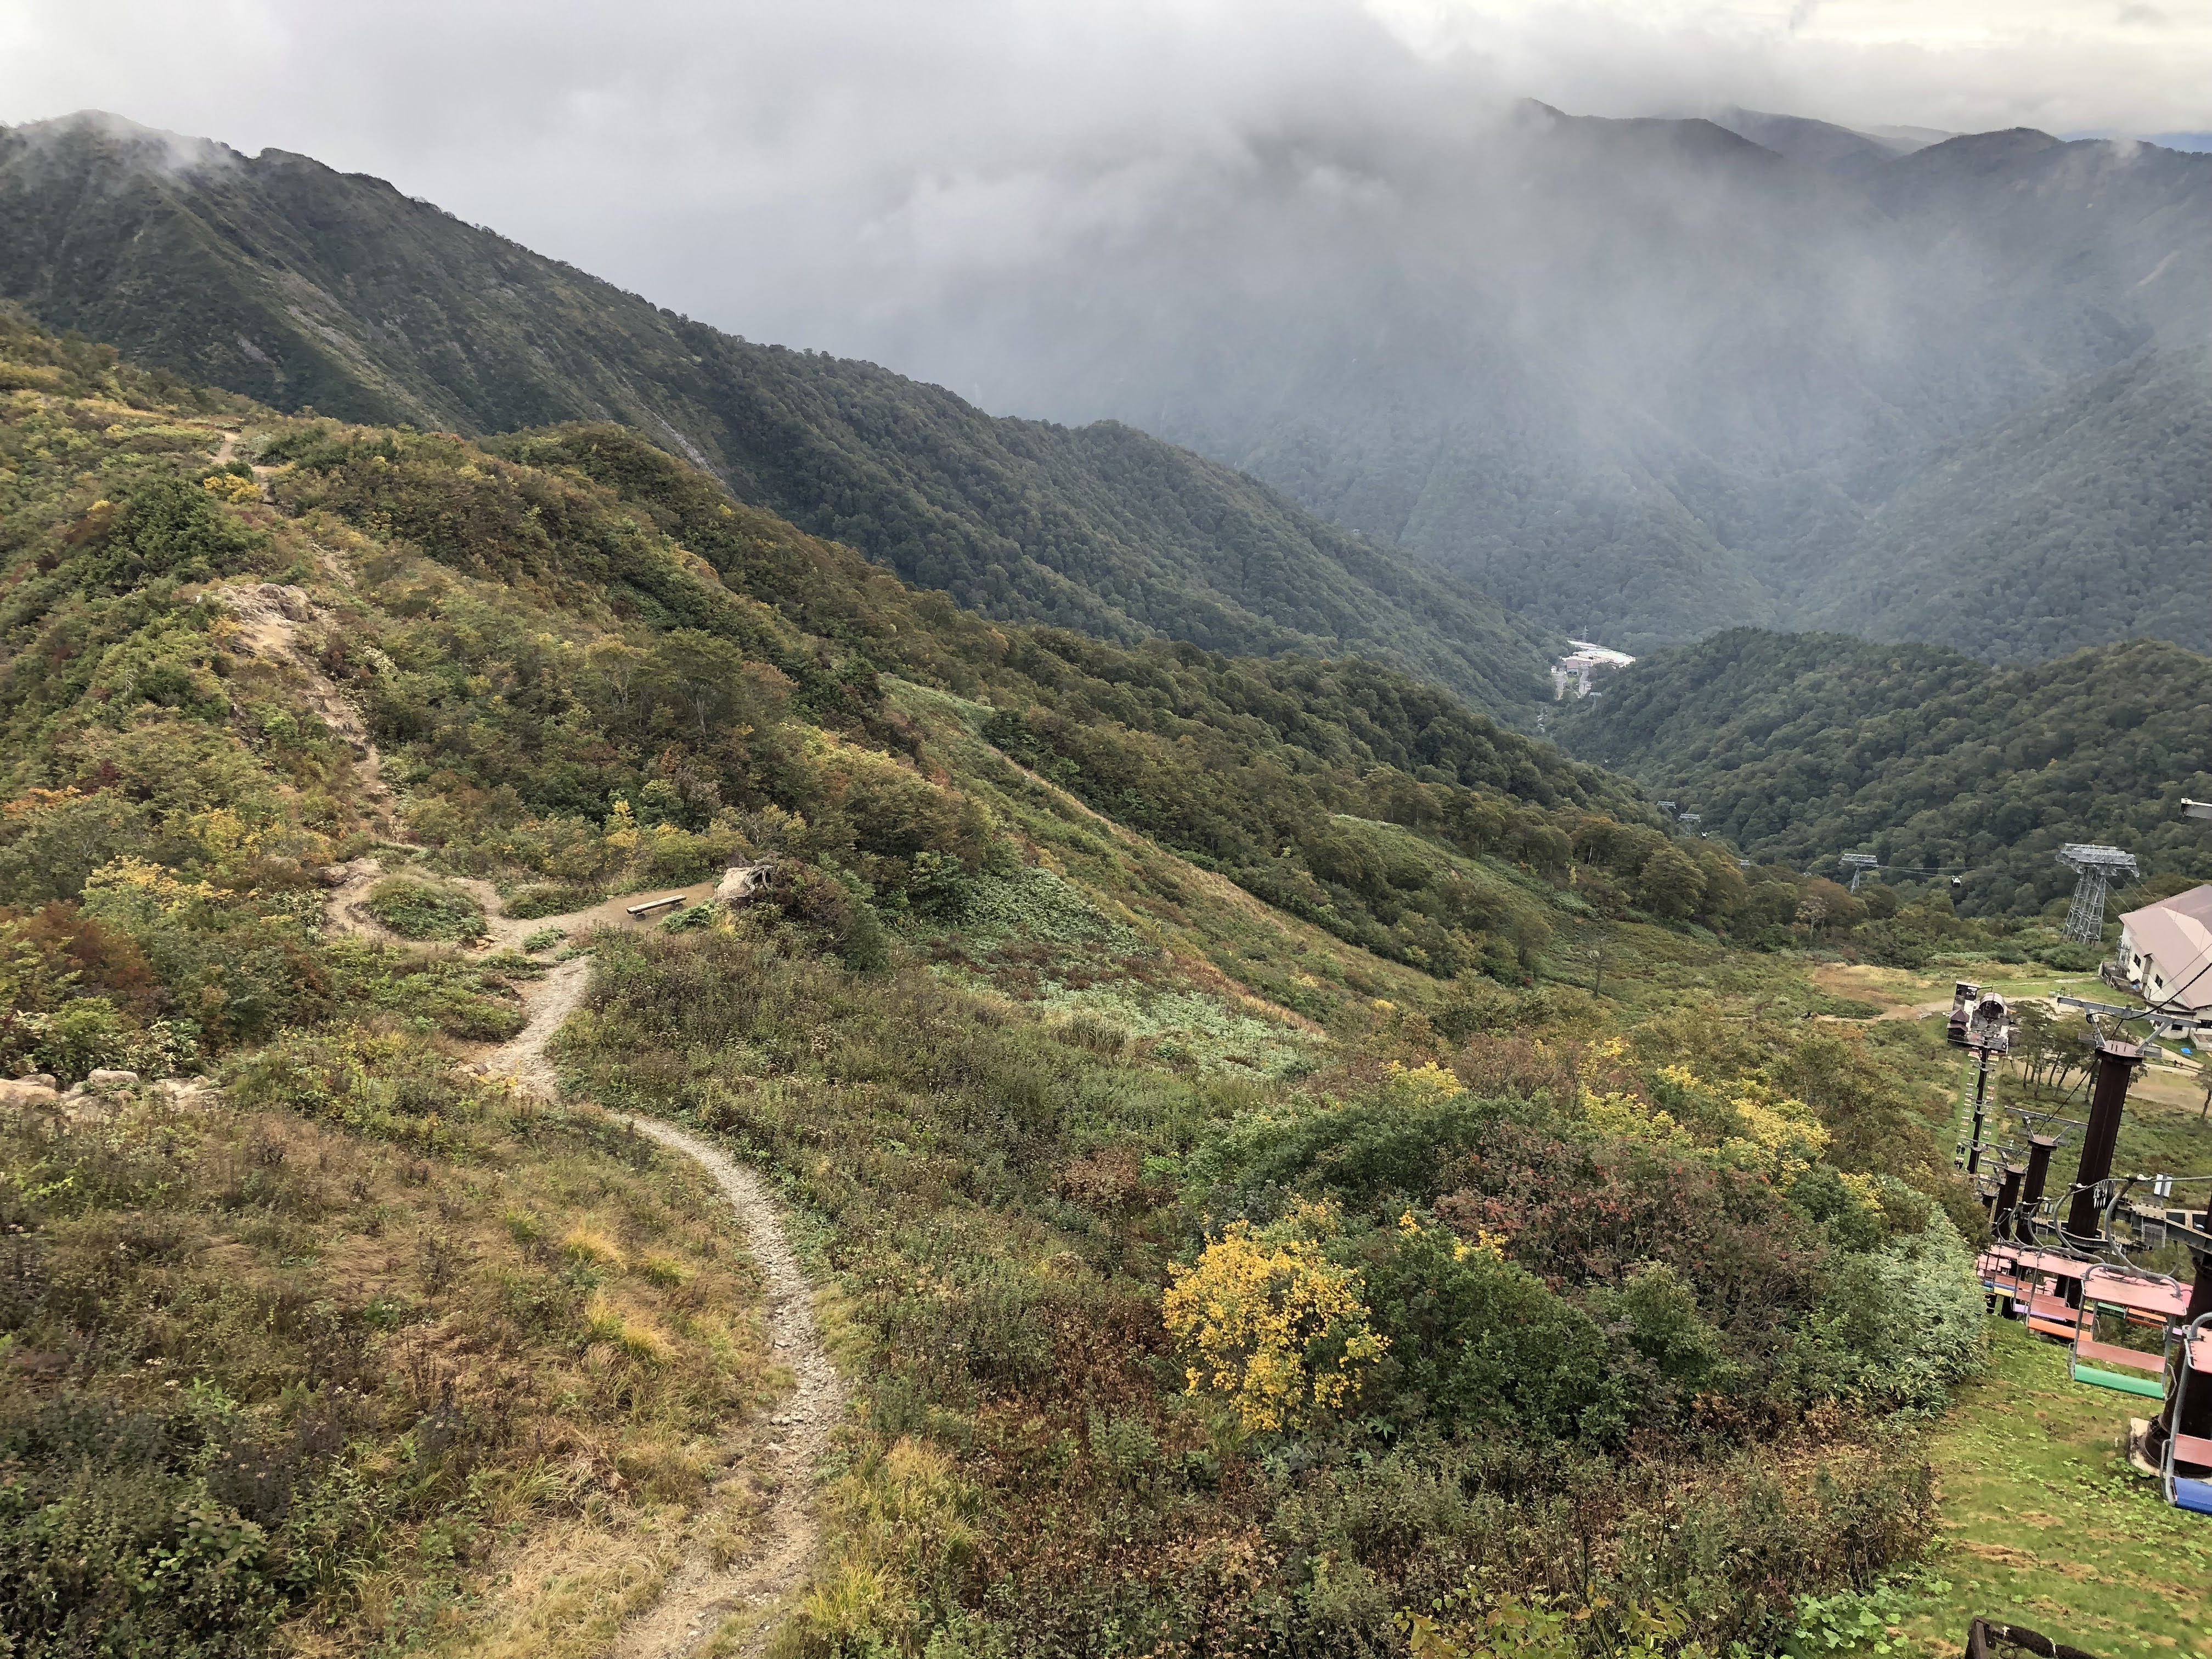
column 2096, row 866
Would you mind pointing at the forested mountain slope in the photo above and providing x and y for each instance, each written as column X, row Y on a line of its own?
column 275, row 277
column 360, row 1319
column 2084, row 518
column 1804, row 746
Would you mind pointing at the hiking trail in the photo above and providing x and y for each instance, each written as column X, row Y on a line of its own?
column 699, row 1599
column 699, row 1596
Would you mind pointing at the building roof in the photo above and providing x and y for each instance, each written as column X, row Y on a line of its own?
column 2177, row 934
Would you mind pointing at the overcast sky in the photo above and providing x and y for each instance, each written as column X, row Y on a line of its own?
column 771, row 165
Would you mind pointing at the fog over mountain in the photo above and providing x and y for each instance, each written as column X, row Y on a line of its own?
column 1640, row 378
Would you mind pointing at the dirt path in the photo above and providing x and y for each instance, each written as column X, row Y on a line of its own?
column 227, row 451
column 700, row 1597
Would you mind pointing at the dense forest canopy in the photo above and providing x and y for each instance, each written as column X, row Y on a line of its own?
column 1800, row 747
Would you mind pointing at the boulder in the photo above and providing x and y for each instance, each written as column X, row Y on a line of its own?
column 740, row 882
column 25, row 1091
column 104, row 1081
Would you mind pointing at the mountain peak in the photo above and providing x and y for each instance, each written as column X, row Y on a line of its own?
column 152, row 147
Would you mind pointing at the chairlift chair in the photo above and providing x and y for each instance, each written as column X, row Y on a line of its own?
column 2192, row 1371
column 2149, row 1300
column 1998, row 1269
column 2051, row 1287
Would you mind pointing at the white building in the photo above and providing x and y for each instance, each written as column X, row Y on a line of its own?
column 1582, row 666
column 2166, row 954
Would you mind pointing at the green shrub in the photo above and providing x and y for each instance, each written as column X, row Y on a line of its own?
column 110, row 1548
column 420, row 910
column 2070, row 956
column 1898, row 1326
column 78, row 1038
column 549, row 899
column 1487, row 1347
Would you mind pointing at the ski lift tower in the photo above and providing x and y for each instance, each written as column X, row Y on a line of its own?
column 1861, row 865
column 2095, row 867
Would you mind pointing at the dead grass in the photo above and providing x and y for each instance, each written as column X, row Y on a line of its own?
column 594, row 1414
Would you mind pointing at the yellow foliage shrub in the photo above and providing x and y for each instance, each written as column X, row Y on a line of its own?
column 229, row 486
column 1428, row 1082
column 1632, row 1118
column 1273, row 1324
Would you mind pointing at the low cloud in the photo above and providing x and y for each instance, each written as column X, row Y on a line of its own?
column 803, row 172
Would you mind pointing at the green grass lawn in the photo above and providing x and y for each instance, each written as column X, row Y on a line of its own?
column 2044, row 1525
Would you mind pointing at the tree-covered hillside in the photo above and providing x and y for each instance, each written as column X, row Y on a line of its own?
column 1202, row 1259
column 1803, row 746
column 275, row 277
column 2083, row 519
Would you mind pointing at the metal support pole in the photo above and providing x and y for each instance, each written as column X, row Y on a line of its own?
column 1981, row 1104
column 2199, row 1402
column 2040, row 1148
column 2008, row 1198
column 2116, row 1064
column 2200, row 1289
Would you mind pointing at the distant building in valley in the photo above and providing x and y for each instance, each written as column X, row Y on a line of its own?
column 2166, row 954
column 1581, row 667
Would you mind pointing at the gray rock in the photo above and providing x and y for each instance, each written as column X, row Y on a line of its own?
column 101, row 1081
column 740, row 882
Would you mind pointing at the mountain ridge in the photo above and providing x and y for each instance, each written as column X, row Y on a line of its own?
column 1636, row 380
column 283, row 279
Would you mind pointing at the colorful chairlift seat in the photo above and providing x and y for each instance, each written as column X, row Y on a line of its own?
column 2193, row 1369
column 2046, row 1278
column 2152, row 1301
column 1998, row 1267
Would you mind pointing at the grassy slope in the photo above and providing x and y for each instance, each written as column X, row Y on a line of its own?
column 545, row 1328
column 302, row 287
column 971, row 1134
column 2044, row 1525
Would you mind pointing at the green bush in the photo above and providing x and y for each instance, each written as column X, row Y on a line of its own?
column 1898, row 1326
column 2070, row 956
column 80, row 1039
column 112, row 1548
column 422, row 909
column 549, row 899
column 1488, row 1348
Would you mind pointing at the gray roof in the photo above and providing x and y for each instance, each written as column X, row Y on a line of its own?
column 2176, row 933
